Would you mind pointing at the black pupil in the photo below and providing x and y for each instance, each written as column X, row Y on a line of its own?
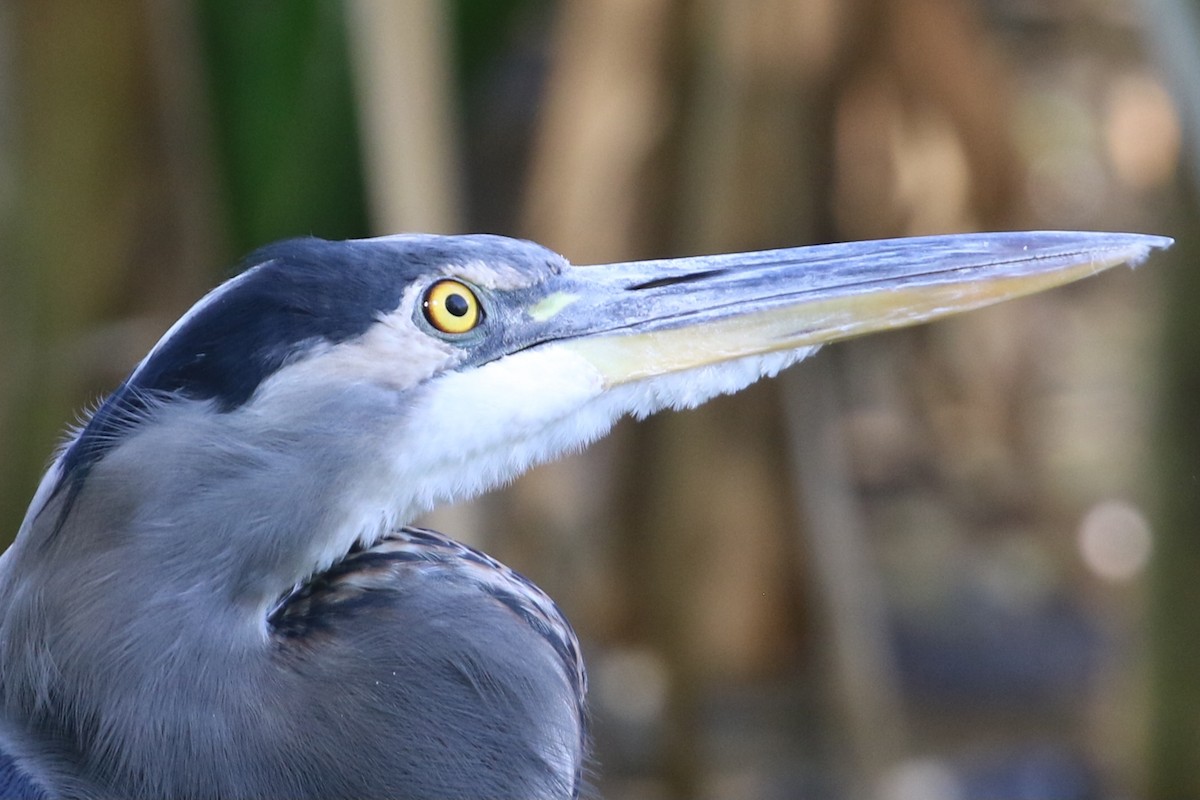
column 457, row 305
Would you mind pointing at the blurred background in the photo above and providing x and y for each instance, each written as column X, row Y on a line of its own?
column 951, row 563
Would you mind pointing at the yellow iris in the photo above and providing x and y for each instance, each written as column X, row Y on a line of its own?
column 451, row 307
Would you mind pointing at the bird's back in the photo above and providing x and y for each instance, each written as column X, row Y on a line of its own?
column 473, row 683
column 453, row 676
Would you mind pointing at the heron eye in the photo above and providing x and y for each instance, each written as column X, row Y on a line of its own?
column 451, row 307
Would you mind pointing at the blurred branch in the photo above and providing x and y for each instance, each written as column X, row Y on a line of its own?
column 606, row 108
column 199, row 240
column 846, row 581
column 405, row 107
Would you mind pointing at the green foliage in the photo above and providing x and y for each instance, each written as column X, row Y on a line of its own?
column 287, row 135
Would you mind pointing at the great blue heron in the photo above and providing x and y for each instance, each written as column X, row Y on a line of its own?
column 212, row 596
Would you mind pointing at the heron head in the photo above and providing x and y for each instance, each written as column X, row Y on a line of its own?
column 444, row 365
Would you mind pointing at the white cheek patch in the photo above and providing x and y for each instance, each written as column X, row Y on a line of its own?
column 470, row 431
column 512, row 397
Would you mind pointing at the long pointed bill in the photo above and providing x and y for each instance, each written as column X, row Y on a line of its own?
column 642, row 319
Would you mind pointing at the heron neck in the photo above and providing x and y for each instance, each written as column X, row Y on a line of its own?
column 162, row 573
column 198, row 522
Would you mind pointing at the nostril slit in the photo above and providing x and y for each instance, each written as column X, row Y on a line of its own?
column 690, row 277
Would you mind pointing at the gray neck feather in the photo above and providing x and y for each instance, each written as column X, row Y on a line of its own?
column 164, row 570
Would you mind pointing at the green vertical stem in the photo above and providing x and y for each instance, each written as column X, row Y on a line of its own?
column 1174, row 728
column 286, row 127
